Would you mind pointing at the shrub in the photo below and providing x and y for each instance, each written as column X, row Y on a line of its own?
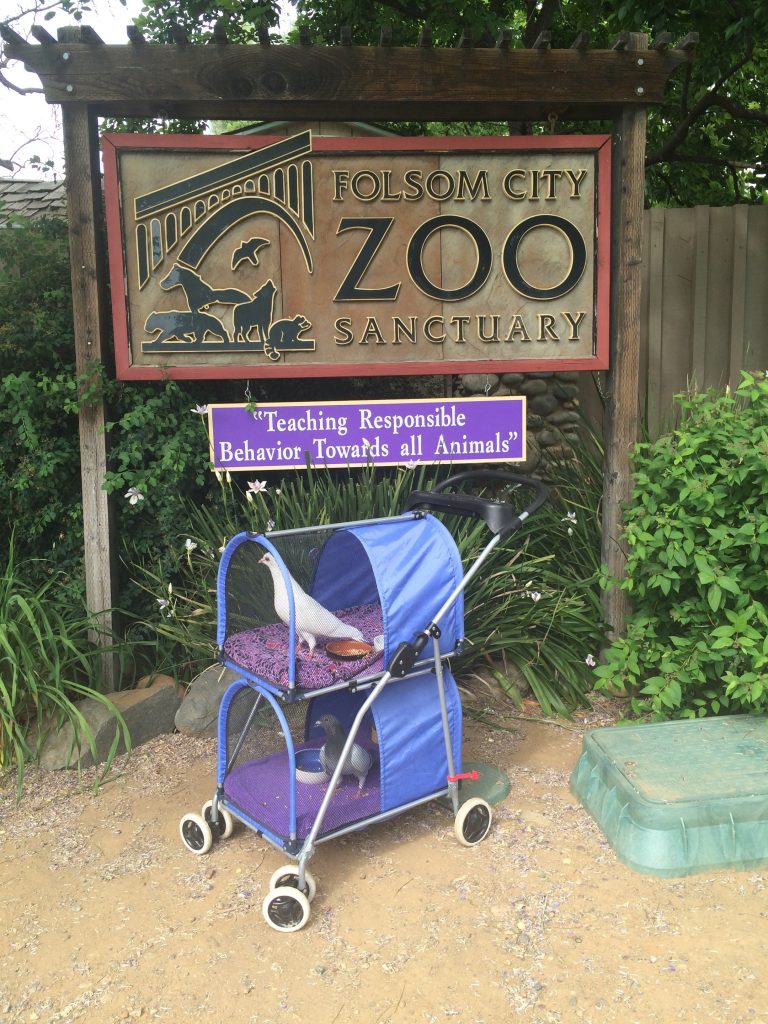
column 697, row 539
column 48, row 662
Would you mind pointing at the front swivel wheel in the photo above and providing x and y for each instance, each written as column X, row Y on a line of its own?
column 289, row 876
column 196, row 833
column 473, row 821
column 285, row 909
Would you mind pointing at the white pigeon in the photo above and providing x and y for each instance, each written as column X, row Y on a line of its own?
column 312, row 619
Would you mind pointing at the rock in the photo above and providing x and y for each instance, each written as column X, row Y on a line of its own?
column 199, row 710
column 561, row 416
column 148, row 712
column 476, row 383
column 512, row 380
column 565, row 390
column 544, row 404
column 534, row 387
column 532, row 457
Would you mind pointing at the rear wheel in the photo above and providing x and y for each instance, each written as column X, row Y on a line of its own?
column 289, row 876
column 225, row 824
column 196, row 834
column 285, row 909
column 473, row 821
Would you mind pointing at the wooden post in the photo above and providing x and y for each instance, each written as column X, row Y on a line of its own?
column 86, row 256
column 622, row 391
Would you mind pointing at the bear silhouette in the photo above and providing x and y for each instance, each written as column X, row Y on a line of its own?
column 184, row 325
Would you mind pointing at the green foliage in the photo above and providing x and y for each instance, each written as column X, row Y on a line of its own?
column 48, row 662
column 35, row 297
column 538, row 613
column 40, row 473
column 697, row 538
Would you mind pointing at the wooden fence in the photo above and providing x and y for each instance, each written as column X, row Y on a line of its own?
column 704, row 313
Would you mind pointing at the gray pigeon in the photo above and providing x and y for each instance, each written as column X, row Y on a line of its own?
column 359, row 760
column 312, row 619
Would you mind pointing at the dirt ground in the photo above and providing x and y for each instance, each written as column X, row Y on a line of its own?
column 107, row 918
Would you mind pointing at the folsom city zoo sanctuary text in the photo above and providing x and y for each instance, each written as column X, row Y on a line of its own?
column 302, row 256
column 291, row 435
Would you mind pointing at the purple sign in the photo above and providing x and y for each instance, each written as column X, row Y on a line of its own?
column 287, row 435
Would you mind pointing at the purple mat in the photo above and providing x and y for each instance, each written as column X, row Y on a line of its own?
column 260, row 788
column 264, row 652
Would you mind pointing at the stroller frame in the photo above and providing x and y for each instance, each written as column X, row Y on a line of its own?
column 286, row 906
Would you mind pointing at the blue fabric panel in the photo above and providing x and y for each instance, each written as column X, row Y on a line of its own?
column 343, row 576
column 416, row 567
column 411, row 741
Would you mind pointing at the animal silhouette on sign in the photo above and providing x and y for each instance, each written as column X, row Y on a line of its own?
column 200, row 295
column 284, row 335
column 184, row 325
column 255, row 314
column 249, row 251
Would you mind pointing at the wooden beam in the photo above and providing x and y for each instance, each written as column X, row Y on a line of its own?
column 661, row 41
column 304, row 36
column 622, row 413
column 425, row 37
column 135, row 35
column 220, row 32
column 42, row 35
column 83, row 181
column 582, row 41
column 385, row 38
column 346, row 35
column 505, row 39
column 689, row 42
column 543, row 41
column 465, row 40
column 621, row 41
column 263, row 34
column 359, row 82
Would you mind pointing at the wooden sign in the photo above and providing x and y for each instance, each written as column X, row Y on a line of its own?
column 247, row 256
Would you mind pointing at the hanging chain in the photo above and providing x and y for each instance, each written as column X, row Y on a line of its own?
column 552, row 119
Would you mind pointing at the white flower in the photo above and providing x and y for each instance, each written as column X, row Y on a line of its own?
column 590, row 661
column 190, row 545
column 535, row 596
column 163, row 602
column 570, row 532
column 134, row 495
column 227, row 476
column 256, row 487
column 570, row 517
column 201, row 410
column 411, row 464
column 270, row 525
column 249, row 495
column 217, row 474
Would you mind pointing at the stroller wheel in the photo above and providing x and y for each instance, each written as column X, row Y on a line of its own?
column 225, row 823
column 473, row 821
column 285, row 909
column 196, row 833
column 289, row 876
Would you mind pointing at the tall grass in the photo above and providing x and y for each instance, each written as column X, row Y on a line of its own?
column 48, row 662
column 534, row 604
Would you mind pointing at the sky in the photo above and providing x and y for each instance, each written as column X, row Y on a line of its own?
column 28, row 125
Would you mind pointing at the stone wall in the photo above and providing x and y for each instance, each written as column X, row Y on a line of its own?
column 552, row 407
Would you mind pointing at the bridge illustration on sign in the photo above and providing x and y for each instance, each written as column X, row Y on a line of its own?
column 179, row 224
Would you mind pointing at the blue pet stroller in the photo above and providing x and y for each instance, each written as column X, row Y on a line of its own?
column 342, row 716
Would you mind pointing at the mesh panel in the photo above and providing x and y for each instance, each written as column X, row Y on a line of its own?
column 256, row 635
column 258, row 777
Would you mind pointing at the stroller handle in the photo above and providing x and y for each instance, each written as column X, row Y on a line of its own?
column 499, row 516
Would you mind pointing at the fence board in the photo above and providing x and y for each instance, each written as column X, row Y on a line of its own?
column 705, row 301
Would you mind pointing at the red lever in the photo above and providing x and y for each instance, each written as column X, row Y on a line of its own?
column 473, row 775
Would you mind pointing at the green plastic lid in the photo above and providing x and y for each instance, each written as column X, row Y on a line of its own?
column 674, row 798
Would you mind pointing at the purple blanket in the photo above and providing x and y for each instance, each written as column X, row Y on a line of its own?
column 263, row 652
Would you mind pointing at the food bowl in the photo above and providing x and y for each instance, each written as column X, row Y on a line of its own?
column 309, row 768
column 349, row 649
